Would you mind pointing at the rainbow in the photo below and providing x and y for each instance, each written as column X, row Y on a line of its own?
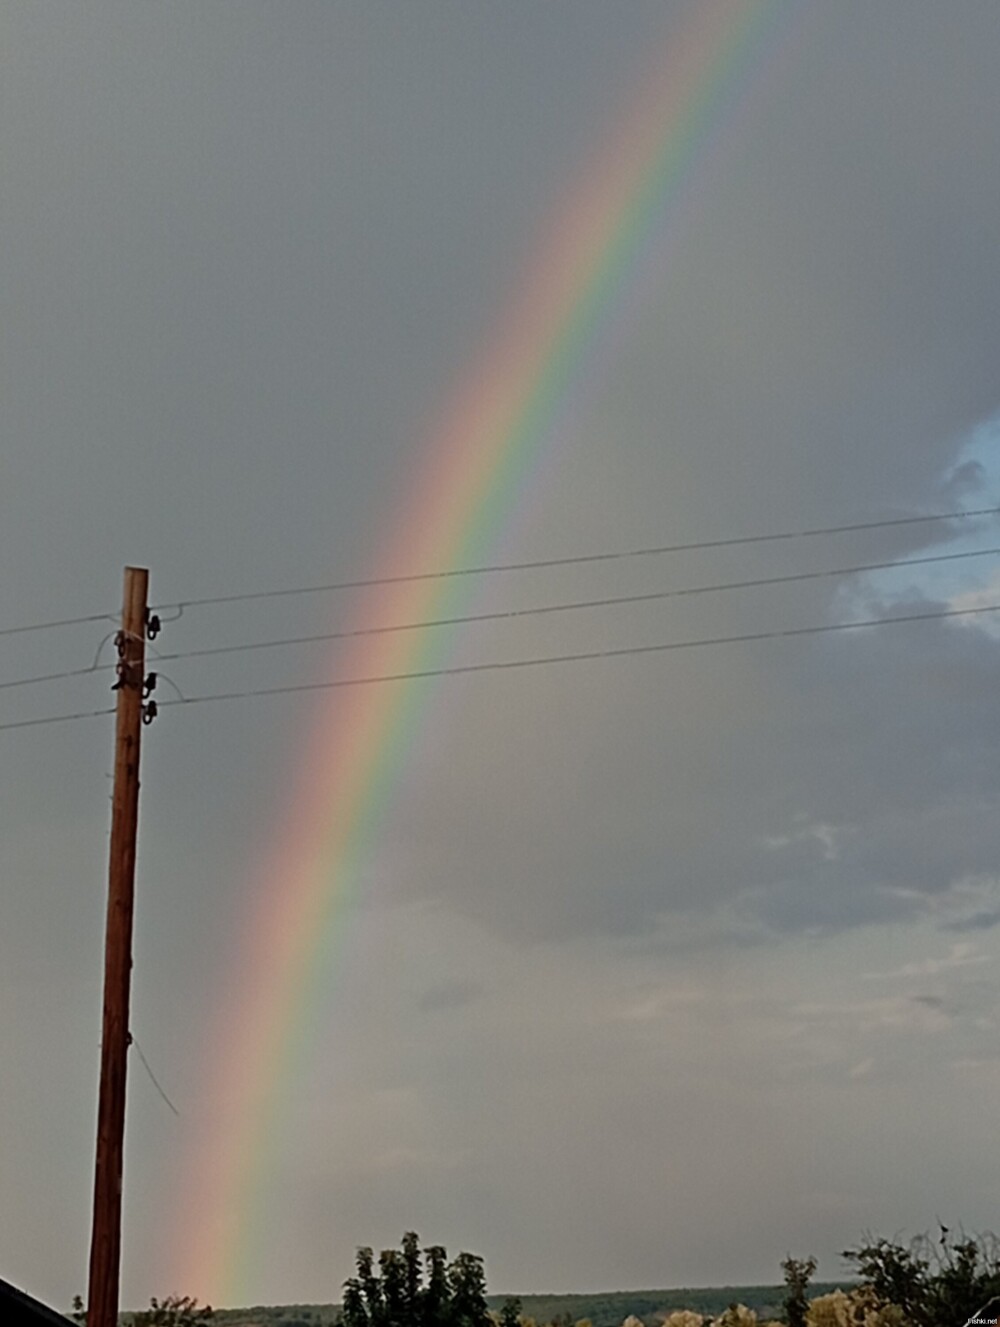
column 501, row 419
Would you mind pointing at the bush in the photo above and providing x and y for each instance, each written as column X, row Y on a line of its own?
column 933, row 1284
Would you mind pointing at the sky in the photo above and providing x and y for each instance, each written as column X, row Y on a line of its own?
column 655, row 968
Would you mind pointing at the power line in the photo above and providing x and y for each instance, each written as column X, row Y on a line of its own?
column 522, row 566
column 61, row 622
column 96, row 666
column 614, row 653
column 152, row 1077
column 53, row 677
column 506, row 614
column 499, row 665
column 56, row 718
column 578, row 559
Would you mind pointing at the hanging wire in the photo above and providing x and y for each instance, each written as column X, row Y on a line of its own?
column 576, row 560
column 501, row 615
column 61, row 622
column 133, row 1040
column 500, row 665
column 585, row 655
column 656, row 550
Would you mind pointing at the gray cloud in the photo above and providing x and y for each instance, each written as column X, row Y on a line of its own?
column 247, row 257
column 450, row 995
column 815, row 785
column 979, row 921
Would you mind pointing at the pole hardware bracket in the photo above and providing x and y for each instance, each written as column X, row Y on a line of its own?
column 149, row 712
column 153, row 625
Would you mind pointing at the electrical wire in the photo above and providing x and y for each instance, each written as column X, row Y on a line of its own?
column 62, row 622
column 613, row 653
column 609, row 601
column 506, row 614
column 56, row 718
column 578, row 559
column 54, row 677
column 537, row 563
column 95, row 667
column 499, row 665
column 133, row 1040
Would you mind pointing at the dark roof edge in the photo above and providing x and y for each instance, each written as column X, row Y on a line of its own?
column 36, row 1310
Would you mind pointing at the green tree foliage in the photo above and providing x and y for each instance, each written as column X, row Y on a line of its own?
column 933, row 1283
column 467, row 1284
column 798, row 1273
column 435, row 1299
column 510, row 1312
column 412, row 1275
column 174, row 1311
column 410, row 1291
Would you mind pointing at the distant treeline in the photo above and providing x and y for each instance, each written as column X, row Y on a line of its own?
column 944, row 1281
column 279, row 1315
column 609, row 1309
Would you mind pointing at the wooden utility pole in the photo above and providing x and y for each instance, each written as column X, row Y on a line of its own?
column 105, row 1245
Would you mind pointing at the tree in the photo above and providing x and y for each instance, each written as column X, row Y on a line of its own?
column 371, row 1288
column 932, row 1283
column 353, row 1311
column 434, row 1301
column 174, row 1311
column 798, row 1273
column 467, row 1284
column 397, row 1295
column 510, row 1312
column 412, row 1276
column 393, row 1287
